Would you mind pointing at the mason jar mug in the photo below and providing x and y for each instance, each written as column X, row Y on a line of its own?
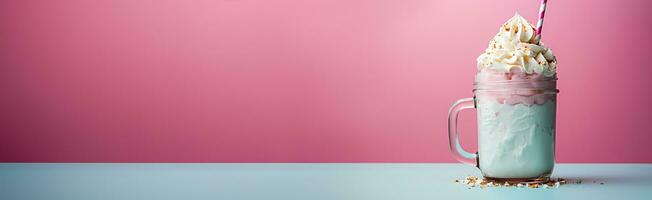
column 516, row 129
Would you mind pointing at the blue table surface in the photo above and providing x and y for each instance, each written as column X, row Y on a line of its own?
column 304, row 181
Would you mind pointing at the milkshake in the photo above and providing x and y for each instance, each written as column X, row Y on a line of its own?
column 516, row 116
column 515, row 96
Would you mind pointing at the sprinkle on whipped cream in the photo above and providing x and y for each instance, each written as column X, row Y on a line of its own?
column 515, row 46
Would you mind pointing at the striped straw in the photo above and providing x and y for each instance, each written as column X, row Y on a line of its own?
column 542, row 12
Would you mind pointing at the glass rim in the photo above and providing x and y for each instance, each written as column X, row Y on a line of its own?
column 511, row 85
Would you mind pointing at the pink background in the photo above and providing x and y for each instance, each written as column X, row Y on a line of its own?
column 300, row 81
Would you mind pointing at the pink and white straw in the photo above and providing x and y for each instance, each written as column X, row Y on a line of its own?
column 542, row 12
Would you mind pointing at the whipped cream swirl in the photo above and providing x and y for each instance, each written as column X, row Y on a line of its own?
column 516, row 46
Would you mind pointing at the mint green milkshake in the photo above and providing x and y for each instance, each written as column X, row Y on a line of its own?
column 516, row 141
column 515, row 96
column 516, row 116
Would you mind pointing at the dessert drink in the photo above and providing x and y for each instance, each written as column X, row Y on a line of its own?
column 515, row 97
column 516, row 128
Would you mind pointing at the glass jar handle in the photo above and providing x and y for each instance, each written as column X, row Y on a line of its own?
column 453, row 137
